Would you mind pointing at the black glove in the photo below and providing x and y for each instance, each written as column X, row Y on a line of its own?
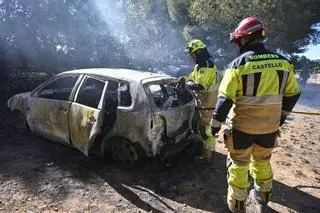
column 181, row 82
column 194, row 86
column 282, row 119
column 215, row 130
column 215, row 126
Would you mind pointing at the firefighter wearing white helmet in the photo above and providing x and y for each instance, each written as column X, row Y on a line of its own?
column 203, row 81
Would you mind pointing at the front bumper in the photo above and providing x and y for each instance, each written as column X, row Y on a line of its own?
column 172, row 149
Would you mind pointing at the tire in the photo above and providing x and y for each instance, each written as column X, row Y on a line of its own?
column 195, row 148
column 125, row 153
column 20, row 122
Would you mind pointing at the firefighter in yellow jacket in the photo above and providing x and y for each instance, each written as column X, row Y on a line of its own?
column 204, row 82
column 262, row 87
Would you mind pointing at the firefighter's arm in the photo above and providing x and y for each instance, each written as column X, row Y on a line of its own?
column 207, row 77
column 183, row 79
column 194, row 86
column 226, row 98
column 290, row 96
column 189, row 81
column 192, row 82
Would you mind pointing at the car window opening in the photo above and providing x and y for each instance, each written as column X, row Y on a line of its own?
column 59, row 89
column 125, row 95
column 91, row 92
column 167, row 96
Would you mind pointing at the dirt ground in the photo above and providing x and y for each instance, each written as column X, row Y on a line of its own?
column 37, row 175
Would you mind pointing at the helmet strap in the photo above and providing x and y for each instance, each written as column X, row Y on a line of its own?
column 242, row 48
column 202, row 57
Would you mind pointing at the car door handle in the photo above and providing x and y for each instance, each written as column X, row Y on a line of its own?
column 92, row 120
column 63, row 109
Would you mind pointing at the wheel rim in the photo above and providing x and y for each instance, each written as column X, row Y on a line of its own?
column 124, row 152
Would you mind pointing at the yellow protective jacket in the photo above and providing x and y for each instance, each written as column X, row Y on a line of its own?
column 206, row 98
column 261, row 85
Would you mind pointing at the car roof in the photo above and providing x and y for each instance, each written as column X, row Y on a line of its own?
column 117, row 73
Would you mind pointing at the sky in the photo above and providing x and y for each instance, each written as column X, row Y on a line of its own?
column 313, row 52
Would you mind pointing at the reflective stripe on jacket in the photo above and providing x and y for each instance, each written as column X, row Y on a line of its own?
column 207, row 98
column 256, row 83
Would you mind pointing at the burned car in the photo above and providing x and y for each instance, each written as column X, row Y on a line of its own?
column 122, row 113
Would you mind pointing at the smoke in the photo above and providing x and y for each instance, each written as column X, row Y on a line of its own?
column 57, row 35
column 112, row 13
column 148, row 37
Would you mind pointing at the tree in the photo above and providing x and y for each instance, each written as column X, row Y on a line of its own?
column 291, row 23
column 57, row 35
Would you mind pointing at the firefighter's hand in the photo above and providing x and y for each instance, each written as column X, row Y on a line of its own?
column 194, row 86
column 215, row 126
column 181, row 82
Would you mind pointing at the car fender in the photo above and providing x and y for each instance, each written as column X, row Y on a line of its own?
column 19, row 102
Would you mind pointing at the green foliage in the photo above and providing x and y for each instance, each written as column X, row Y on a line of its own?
column 289, row 22
column 56, row 35
column 179, row 10
column 304, row 64
column 154, row 40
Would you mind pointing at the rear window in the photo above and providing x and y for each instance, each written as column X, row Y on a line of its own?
column 123, row 89
column 166, row 95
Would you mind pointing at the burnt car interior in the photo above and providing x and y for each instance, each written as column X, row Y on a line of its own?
column 124, row 94
column 110, row 106
column 59, row 89
column 90, row 92
column 167, row 96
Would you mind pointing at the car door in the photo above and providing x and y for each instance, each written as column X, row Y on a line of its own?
column 87, row 115
column 48, row 111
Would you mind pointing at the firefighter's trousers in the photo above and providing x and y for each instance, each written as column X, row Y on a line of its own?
column 204, row 131
column 247, row 152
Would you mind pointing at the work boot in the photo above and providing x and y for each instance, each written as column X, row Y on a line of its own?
column 259, row 200
column 236, row 206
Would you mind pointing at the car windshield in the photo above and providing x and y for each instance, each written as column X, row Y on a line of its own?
column 165, row 95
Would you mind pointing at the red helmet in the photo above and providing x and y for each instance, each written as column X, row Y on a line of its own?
column 247, row 27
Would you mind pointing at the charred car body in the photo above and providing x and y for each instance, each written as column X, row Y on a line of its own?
column 127, row 112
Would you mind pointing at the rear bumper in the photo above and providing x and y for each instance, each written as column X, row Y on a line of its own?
column 171, row 149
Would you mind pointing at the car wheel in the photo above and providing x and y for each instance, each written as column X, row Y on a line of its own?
column 195, row 148
column 20, row 122
column 125, row 153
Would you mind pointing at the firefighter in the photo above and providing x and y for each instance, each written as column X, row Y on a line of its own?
column 203, row 80
column 262, row 88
